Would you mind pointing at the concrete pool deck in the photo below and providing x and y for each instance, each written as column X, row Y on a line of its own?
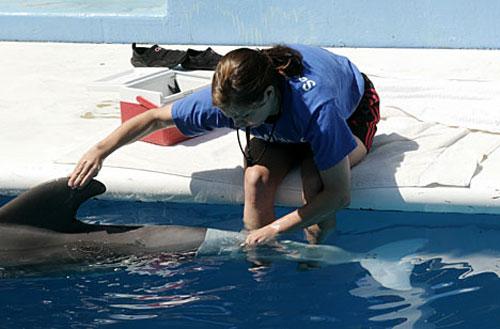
column 49, row 116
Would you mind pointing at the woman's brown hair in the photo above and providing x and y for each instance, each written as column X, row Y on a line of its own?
column 242, row 76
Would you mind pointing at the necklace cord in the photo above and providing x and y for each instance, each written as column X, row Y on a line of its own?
column 247, row 155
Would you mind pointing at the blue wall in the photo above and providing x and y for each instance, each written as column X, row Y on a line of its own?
column 350, row 23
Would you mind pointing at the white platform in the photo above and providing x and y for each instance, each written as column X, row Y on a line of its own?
column 424, row 159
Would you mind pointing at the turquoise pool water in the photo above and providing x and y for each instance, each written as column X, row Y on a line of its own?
column 453, row 277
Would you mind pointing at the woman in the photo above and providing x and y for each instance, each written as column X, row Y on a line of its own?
column 304, row 105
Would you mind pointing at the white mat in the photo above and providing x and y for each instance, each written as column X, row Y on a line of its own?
column 411, row 153
column 49, row 112
column 473, row 104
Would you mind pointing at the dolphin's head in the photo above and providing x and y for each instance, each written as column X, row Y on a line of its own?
column 51, row 205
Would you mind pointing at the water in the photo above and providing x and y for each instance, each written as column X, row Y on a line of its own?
column 454, row 281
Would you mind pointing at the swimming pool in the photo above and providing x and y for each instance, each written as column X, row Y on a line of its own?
column 454, row 278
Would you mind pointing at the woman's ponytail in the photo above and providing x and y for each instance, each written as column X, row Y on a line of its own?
column 286, row 61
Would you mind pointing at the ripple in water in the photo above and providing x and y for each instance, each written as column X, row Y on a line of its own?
column 414, row 308
column 172, row 286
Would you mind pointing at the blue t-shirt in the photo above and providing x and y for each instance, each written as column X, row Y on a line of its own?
column 315, row 107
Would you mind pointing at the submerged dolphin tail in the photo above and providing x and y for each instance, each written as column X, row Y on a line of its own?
column 388, row 266
column 50, row 205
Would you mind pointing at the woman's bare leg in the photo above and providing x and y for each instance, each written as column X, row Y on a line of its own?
column 312, row 185
column 261, row 182
column 358, row 153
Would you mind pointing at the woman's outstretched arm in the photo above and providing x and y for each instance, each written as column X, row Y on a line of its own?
column 130, row 131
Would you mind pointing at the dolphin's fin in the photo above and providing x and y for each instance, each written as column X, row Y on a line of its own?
column 51, row 206
column 389, row 264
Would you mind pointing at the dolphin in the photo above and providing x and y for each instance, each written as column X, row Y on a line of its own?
column 39, row 227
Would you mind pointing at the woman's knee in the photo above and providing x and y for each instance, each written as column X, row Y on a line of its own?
column 257, row 178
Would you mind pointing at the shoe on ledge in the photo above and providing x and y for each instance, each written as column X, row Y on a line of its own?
column 201, row 60
column 156, row 56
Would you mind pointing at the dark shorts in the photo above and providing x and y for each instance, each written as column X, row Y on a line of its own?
column 363, row 122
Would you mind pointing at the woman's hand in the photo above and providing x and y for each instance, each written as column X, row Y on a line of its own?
column 87, row 168
column 262, row 235
column 130, row 131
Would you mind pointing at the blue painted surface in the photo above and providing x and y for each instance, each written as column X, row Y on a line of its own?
column 84, row 7
column 81, row 21
column 358, row 23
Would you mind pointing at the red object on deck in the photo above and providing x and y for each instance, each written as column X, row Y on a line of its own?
column 166, row 137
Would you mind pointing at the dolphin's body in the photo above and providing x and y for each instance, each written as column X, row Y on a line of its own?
column 39, row 228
